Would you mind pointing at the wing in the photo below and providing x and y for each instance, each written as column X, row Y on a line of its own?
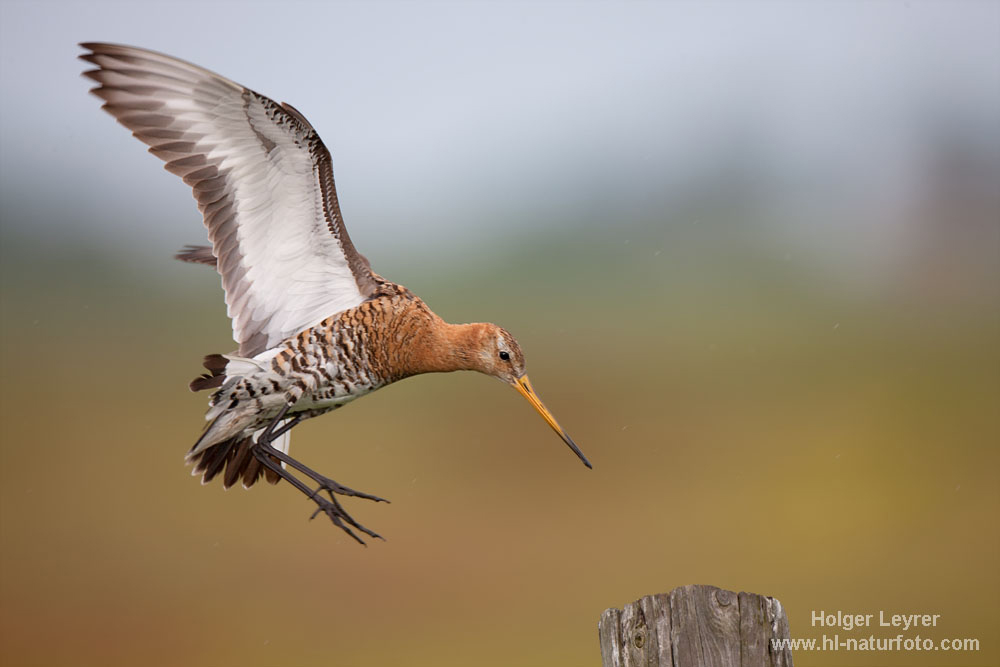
column 263, row 181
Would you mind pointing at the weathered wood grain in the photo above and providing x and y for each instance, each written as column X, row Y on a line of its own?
column 643, row 624
column 610, row 630
column 694, row 626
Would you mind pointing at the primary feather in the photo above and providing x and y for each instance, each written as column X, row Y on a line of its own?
column 263, row 181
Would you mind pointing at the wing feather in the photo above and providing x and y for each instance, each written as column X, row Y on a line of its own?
column 263, row 181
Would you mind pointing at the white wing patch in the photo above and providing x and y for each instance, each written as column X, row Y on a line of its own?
column 298, row 271
column 258, row 173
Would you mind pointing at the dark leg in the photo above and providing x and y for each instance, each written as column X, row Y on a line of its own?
column 325, row 483
column 263, row 452
column 268, row 434
column 292, row 423
column 332, row 508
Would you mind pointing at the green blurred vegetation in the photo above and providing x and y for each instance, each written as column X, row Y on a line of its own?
column 754, row 423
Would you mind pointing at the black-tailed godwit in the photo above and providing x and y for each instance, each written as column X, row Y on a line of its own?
column 316, row 327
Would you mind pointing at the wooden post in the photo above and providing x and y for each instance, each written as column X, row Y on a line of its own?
column 693, row 626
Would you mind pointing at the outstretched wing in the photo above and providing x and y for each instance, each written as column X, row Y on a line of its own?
column 262, row 179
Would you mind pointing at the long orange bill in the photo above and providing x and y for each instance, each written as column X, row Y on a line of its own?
column 524, row 388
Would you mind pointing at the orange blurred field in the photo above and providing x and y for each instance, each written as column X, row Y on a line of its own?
column 751, row 426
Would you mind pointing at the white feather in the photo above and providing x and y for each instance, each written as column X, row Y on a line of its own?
column 282, row 250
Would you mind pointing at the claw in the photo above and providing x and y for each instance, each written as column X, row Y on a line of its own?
column 338, row 516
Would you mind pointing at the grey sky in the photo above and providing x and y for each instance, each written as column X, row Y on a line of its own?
column 452, row 119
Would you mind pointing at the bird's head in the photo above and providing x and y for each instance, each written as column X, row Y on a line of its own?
column 496, row 353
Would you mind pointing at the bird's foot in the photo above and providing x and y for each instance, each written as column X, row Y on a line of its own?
column 336, row 489
column 339, row 516
column 270, row 458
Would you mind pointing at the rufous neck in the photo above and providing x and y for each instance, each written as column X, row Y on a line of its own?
column 451, row 347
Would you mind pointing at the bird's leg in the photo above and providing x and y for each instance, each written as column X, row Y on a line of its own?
column 292, row 423
column 325, row 483
column 265, row 453
column 332, row 509
column 268, row 435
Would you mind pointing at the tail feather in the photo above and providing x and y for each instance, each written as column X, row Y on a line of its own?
column 216, row 365
column 236, row 458
column 238, row 463
column 213, row 461
column 233, row 456
column 252, row 472
column 271, row 476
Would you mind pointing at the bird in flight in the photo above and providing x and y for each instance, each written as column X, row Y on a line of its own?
column 316, row 327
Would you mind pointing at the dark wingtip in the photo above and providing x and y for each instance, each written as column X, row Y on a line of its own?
column 197, row 254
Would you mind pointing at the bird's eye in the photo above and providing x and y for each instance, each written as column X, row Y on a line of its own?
column 504, row 355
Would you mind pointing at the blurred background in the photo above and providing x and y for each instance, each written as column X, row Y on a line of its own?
column 751, row 250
